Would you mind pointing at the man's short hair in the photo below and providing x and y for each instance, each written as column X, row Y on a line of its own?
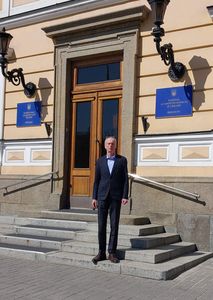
column 110, row 137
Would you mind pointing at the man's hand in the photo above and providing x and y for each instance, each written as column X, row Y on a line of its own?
column 94, row 203
column 124, row 201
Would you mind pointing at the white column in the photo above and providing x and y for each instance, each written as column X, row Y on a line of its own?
column 2, row 95
column 2, row 91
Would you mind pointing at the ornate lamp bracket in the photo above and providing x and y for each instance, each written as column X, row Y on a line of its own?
column 176, row 70
column 15, row 76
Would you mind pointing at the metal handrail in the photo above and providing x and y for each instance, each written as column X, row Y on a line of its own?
column 28, row 179
column 161, row 185
column 157, row 184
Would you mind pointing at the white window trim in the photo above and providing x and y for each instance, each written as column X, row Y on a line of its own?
column 32, row 6
column 26, row 16
column 5, row 9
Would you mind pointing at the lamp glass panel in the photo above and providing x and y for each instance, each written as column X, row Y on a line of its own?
column 5, row 39
column 158, row 10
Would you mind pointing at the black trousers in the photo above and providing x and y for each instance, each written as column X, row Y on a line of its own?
column 112, row 207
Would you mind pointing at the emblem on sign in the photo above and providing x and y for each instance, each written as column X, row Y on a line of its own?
column 173, row 92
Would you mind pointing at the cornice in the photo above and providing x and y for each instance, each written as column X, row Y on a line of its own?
column 55, row 11
column 138, row 13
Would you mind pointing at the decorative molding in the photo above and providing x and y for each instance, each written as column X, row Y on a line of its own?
column 182, row 150
column 25, row 153
column 154, row 153
column 195, row 152
column 41, row 155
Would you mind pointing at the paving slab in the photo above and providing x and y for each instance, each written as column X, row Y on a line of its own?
column 29, row 280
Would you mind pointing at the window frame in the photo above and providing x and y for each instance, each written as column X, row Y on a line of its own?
column 4, row 12
column 10, row 10
column 87, row 62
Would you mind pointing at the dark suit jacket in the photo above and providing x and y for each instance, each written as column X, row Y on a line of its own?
column 115, row 183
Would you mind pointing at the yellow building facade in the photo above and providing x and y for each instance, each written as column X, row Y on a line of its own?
column 53, row 41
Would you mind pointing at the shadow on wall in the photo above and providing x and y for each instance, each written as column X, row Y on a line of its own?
column 45, row 88
column 200, row 69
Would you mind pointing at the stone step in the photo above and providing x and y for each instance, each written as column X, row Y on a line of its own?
column 159, row 254
column 82, row 260
column 143, row 242
column 155, row 255
column 165, row 270
column 90, row 216
column 130, row 230
column 46, row 231
column 123, row 229
column 33, row 241
column 72, row 225
column 64, row 224
column 150, row 241
column 145, row 249
column 68, row 215
column 161, row 271
column 25, row 252
column 9, row 221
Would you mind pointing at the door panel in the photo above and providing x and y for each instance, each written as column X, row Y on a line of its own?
column 95, row 116
column 82, row 143
column 82, row 135
column 81, row 185
column 108, row 126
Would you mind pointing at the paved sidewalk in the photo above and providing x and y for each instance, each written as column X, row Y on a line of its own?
column 26, row 280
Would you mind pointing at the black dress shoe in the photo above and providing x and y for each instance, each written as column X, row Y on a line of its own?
column 113, row 258
column 100, row 256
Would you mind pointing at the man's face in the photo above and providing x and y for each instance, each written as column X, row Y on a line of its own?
column 110, row 146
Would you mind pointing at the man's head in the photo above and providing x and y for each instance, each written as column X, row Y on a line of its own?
column 110, row 145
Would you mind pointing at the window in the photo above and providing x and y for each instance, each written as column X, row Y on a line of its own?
column 98, row 73
column 94, row 73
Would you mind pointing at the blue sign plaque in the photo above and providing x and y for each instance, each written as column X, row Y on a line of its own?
column 28, row 114
column 174, row 102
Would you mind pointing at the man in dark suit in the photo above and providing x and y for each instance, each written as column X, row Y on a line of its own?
column 109, row 192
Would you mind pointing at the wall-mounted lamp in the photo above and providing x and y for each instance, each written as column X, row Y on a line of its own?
column 15, row 76
column 176, row 69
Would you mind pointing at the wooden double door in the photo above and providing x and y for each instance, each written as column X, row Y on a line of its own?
column 95, row 115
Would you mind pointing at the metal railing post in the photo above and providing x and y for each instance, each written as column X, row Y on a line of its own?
column 130, row 195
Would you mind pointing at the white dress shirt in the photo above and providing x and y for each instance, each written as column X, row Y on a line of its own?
column 110, row 162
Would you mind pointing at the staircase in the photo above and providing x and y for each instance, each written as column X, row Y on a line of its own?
column 145, row 250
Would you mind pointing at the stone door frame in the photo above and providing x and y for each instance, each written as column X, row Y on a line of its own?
column 117, row 32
